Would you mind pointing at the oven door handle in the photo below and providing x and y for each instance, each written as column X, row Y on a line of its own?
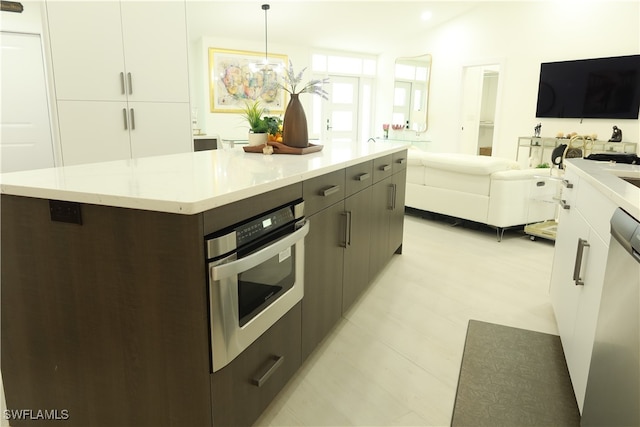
column 234, row 268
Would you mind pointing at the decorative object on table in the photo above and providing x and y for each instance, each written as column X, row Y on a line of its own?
column 280, row 148
column 294, row 128
column 385, row 129
column 537, row 129
column 616, row 136
column 252, row 113
column 397, row 127
column 274, row 128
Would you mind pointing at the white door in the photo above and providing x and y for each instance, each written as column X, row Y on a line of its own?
column 156, row 57
column 86, row 49
column 340, row 114
column 93, row 131
column 471, row 102
column 25, row 129
column 160, row 128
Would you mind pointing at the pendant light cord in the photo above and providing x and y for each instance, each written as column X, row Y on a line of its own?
column 265, row 7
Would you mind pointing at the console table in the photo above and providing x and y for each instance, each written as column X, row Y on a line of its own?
column 538, row 147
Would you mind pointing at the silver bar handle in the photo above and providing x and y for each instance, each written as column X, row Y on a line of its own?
column 347, row 230
column 133, row 119
column 275, row 362
column 385, row 168
column 122, row 82
column 126, row 119
column 394, row 196
column 130, row 83
column 564, row 205
column 576, row 268
column 243, row 264
column 331, row 190
column 567, row 184
column 401, row 161
column 363, row 177
column 390, row 197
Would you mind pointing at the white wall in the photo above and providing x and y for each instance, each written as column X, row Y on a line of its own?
column 521, row 35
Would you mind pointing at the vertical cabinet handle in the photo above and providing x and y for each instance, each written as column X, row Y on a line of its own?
column 391, row 205
column 133, row 119
column 126, row 119
column 578, row 265
column 130, row 83
column 346, row 242
column 122, row 82
column 265, row 374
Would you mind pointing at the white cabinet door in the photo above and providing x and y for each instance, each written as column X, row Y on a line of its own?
column 86, row 49
column 160, row 128
column 155, row 51
column 587, row 315
column 93, row 131
column 565, row 294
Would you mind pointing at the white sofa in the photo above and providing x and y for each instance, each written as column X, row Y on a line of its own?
column 482, row 189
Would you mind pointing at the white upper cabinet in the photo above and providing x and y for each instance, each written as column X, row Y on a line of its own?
column 121, row 78
column 155, row 51
column 86, row 50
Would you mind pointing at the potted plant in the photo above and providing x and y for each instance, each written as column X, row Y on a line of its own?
column 258, row 128
column 274, row 128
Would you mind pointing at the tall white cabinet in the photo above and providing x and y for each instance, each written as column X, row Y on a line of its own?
column 581, row 248
column 121, row 79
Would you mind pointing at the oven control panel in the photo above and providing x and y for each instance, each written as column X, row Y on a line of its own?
column 243, row 233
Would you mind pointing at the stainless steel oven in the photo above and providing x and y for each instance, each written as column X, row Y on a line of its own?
column 256, row 272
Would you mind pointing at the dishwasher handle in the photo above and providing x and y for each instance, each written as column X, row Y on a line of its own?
column 626, row 230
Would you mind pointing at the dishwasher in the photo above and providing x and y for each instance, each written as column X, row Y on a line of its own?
column 613, row 386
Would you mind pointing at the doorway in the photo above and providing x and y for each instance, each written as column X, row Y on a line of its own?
column 480, row 90
column 340, row 115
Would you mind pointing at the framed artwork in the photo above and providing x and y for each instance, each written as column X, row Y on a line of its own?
column 236, row 77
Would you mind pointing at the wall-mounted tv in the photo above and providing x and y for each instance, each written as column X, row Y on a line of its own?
column 601, row 88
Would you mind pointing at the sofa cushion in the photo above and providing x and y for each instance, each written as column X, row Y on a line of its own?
column 464, row 163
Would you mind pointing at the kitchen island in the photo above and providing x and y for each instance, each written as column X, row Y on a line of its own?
column 105, row 303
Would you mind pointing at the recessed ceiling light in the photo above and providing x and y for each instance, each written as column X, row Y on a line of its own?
column 426, row 15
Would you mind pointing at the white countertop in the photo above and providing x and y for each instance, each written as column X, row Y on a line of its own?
column 187, row 183
column 604, row 176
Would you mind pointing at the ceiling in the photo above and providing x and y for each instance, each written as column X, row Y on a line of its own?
column 356, row 26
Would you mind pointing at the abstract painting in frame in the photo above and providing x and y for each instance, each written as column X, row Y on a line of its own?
column 237, row 77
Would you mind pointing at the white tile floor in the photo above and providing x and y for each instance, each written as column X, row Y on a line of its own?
column 394, row 359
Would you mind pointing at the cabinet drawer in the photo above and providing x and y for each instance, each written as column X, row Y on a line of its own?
column 399, row 161
column 382, row 167
column 359, row 177
column 596, row 208
column 271, row 360
column 323, row 191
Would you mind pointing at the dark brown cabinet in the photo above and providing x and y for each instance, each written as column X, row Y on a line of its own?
column 322, row 302
column 243, row 389
column 387, row 210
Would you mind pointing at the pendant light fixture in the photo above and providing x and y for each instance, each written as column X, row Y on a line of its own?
column 265, row 7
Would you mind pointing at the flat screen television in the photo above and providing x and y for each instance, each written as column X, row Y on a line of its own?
column 601, row 88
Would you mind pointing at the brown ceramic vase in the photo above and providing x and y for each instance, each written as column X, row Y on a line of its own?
column 294, row 128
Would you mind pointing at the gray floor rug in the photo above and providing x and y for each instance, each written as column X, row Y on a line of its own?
column 513, row 377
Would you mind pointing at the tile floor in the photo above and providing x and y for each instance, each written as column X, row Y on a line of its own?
column 394, row 358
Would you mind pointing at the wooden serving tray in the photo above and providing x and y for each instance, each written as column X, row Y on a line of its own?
column 280, row 148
